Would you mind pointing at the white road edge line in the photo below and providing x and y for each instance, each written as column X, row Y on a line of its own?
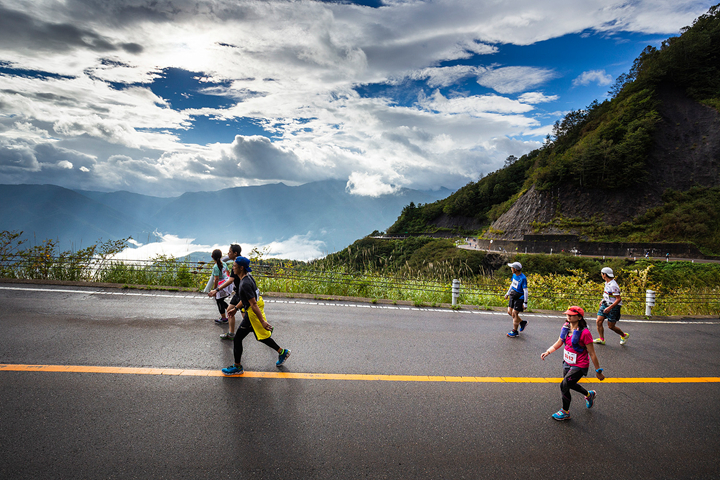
column 347, row 305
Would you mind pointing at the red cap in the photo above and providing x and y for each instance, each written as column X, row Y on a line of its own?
column 575, row 310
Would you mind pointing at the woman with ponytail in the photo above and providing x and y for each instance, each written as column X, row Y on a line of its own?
column 579, row 349
column 220, row 274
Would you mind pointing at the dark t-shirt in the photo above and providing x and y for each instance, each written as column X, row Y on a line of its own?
column 236, row 281
column 247, row 290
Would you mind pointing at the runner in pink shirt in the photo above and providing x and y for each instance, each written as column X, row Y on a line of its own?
column 578, row 350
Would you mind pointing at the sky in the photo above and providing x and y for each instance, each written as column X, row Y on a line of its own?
column 162, row 97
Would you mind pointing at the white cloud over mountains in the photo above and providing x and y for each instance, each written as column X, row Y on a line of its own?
column 593, row 76
column 377, row 96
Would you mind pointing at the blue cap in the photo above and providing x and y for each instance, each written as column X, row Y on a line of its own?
column 244, row 262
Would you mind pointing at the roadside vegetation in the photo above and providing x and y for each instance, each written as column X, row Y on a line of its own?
column 416, row 270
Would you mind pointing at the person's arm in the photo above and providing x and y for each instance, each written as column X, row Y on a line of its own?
column 258, row 313
column 219, row 287
column 554, row 347
column 526, row 293
column 591, row 351
column 616, row 302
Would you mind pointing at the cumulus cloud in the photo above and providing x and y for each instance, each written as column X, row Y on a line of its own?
column 593, row 76
column 298, row 247
column 536, row 97
column 81, row 100
column 258, row 157
column 365, row 184
column 514, row 79
column 476, row 105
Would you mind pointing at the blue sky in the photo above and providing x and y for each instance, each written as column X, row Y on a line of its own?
column 164, row 97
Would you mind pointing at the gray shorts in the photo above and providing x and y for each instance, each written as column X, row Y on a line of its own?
column 612, row 316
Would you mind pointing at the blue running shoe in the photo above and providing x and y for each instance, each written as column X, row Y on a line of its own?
column 513, row 334
column 221, row 320
column 590, row 399
column 283, row 357
column 561, row 415
column 523, row 324
column 233, row 371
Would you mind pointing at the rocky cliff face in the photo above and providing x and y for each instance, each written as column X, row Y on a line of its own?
column 685, row 153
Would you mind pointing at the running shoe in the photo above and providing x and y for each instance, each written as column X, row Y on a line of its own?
column 561, row 415
column 233, row 371
column 227, row 336
column 221, row 320
column 599, row 341
column 513, row 334
column 624, row 338
column 283, row 357
column 590, row 399
column 523, row 324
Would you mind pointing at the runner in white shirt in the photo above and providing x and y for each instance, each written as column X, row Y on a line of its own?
column 610, row 308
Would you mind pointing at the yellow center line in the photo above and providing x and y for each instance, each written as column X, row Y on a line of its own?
column 337, row 376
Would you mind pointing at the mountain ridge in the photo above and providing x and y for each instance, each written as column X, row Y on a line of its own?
column 323, row 211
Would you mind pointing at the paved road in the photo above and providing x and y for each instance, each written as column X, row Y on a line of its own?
column 119, row 425
column 654, row 258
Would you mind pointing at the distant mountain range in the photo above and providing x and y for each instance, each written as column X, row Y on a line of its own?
column 323, row 211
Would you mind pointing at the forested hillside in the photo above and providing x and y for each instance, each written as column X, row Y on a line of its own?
column 643, row 165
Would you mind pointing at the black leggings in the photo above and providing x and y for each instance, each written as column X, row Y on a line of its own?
column 242, row 332
column 571, row 377
column 222, row 305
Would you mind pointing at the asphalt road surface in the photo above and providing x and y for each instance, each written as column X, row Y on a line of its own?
column 370, row 391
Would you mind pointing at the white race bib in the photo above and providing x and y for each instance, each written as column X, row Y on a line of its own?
column 570, row 357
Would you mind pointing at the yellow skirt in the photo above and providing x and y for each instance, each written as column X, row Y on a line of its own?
column 260, row 332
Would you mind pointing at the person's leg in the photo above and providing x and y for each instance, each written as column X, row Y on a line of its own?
column 222, row 307
column 512, row 333
column 516, row 319
column 611, row 326
column 283, row 353
column 271, row 343
column 234, row 302
column 237, row 342
column 600, row 328
column 230, row 334
column 571, row 377
column 231, row 323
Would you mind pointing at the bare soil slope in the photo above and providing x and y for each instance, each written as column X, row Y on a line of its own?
column 685, row 153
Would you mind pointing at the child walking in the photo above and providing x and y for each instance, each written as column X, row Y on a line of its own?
column 610, row 308
column 578, row 343
column 518, row 295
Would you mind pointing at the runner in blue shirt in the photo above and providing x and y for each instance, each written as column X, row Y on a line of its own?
column 518, row 295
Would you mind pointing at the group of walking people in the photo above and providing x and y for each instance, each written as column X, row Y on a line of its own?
column 575, row 337
column 236, row 279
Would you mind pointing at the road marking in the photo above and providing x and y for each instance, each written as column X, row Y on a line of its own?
column 202, row 296
column 7, row 367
